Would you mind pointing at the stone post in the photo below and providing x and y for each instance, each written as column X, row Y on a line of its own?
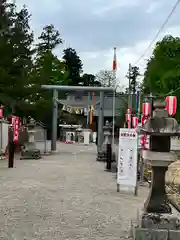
column 11, row 147
column 106, row 141
column 107, row 145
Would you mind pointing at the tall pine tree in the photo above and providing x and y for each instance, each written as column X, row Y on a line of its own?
column 48, row 69
column 16, row 56
column 73, row 66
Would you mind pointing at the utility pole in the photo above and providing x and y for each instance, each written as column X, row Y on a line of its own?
column 54, row 119
column 129, row 89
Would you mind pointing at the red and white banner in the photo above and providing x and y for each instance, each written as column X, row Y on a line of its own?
column 15, row 122
column 144, row 139
column 128, row 117
column 134, row 122
column 146, row 109
column 144, row 119
column 171, row 105
column 1, row 113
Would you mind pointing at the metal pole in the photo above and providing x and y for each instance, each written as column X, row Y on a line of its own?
column 101, row 121
column 87, row 119
column 11, row 147
column 54, row 120
column 45, row 141
column 1, row 135
column 114, row 114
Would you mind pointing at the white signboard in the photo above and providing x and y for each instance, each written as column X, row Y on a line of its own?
column 127, row 159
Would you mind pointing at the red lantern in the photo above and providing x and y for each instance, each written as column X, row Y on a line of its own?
column 15, row 122
column 134, row 122
column 171, row 105
column 146, row 109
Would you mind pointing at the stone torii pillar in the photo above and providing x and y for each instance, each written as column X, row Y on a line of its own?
column 56, row 88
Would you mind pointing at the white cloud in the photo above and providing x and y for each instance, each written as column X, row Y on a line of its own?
column 94, row 27
column 95, row 61
column 154, row 7
column 105, row 8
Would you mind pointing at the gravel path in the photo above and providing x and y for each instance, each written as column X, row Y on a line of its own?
column 64, row 197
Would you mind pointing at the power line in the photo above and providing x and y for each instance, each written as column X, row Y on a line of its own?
column 160, row 30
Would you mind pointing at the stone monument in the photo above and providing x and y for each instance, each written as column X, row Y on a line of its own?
column 157, row 221
column 29, row 151
column 107, row 138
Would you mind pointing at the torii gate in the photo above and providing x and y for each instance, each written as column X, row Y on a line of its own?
column 56, row 88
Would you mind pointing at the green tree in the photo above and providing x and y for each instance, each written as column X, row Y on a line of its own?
column 73, row 66
column 49, row 39
column 162, row 75
column 89, row 80
column 47, row 69
column 16, row 56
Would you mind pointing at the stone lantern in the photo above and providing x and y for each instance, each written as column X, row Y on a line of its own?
column 31, row 131
column 107, row 132
column 157, row 211
column 29, row 150
column 106, row 146
column 107, row 135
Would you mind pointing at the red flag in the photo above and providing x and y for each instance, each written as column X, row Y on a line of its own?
column 114, row 61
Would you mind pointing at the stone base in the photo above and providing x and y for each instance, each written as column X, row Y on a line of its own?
column 157, row 227
column 160, row 221
column 156, row 234
column 101, row 157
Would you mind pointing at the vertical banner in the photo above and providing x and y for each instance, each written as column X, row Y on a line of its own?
column 127, row 159
column 1, row 113
column 90, row 108
column 15, row 122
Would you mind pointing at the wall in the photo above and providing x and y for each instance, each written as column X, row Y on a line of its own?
column 3, row 135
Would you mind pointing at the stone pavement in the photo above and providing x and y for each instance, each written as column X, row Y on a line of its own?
column 64, row 197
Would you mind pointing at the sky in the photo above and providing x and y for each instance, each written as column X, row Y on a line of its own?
column 95, row 27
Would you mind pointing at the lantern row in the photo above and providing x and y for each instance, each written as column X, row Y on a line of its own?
column 171, row 107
